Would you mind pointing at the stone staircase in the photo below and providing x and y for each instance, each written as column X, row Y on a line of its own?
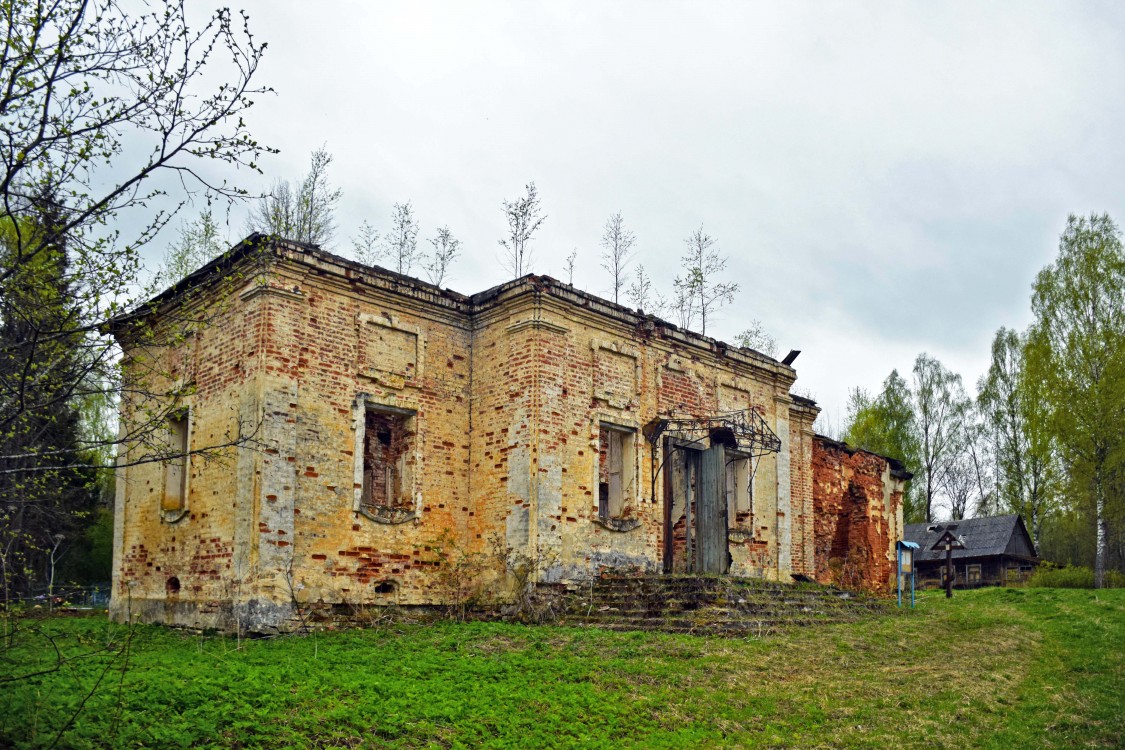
column 712, row 604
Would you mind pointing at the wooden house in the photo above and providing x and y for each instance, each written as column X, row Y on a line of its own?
column 997, row 551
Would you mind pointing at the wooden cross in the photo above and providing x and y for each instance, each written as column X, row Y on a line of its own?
column 949, row 542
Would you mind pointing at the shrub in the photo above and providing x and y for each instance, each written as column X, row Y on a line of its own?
column 1072, row 577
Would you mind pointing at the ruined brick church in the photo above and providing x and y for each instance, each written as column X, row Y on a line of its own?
column 410, row 445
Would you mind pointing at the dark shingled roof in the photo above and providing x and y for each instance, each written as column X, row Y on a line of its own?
column 982, row 536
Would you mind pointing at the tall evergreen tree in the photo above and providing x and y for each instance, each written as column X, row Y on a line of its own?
column 44, row 491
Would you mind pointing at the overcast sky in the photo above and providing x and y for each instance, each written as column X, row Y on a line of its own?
column 885, row 179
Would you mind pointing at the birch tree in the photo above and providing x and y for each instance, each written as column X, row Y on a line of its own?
column 365, row 245
column 643, row 297
column 568, row 267
column 940, row 406
column 199, row 242
column 886, row 424
column 1076, row 350
column 756, row 338
column 446, row 249
column 617, row 252
column 400, row 246
column 1014, row 410
column 524, row 216
column 700, row 291
column 685, row 300
column 305, row 213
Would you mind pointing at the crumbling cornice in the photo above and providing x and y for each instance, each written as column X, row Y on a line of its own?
column 542, row 290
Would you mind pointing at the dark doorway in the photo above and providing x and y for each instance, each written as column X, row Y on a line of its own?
column 695, row 508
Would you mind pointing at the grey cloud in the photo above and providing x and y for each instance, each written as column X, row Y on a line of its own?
column 885, row 179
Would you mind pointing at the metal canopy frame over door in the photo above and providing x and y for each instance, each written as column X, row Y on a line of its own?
column 704, row 444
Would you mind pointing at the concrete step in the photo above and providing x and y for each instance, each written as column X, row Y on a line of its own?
column 748, row 603
column 710, row 604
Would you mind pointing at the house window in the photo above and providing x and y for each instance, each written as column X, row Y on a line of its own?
column 739, row 493
column 176, row 467
column 615, row 470
column 388, row 439
column 972, row 575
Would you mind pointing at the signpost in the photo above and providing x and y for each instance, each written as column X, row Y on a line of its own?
column 948, row 541
column 906, row 567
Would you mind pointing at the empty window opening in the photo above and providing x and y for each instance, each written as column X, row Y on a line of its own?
column 176, row 467
column 172, row 586
column 387, row 440
column 615, row 471
column 386, row 587
column 739, row 491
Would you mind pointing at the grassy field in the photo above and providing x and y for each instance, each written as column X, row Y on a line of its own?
column 995, row 668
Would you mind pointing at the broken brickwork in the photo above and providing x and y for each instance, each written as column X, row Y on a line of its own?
column 857, row 509
column 416, row 446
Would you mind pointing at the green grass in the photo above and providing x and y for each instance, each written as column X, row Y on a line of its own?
column 994, row 668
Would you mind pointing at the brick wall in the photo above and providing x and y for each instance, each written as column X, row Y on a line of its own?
column 857, row 503
column 501, row 397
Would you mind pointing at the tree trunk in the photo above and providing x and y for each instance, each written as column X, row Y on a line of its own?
column 1102, row 529
column 929, row 495
column 1036, row 522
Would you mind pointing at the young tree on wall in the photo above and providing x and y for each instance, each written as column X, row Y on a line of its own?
column 684, row 300
column 524, row 216
column 568, row 267
column 940, row 407
column 305, row 213
column 1076, row 350
column 642, row 296
column 446, row 249
column 699, row 287
column 366, row 245
column 756, row 338
column 617, row 251
column 1015, row 414
column 400, row 246
column 199, row 242
column 102, row 109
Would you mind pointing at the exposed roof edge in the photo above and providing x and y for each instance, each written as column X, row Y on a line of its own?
column 898, row 468
column 281, row 247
